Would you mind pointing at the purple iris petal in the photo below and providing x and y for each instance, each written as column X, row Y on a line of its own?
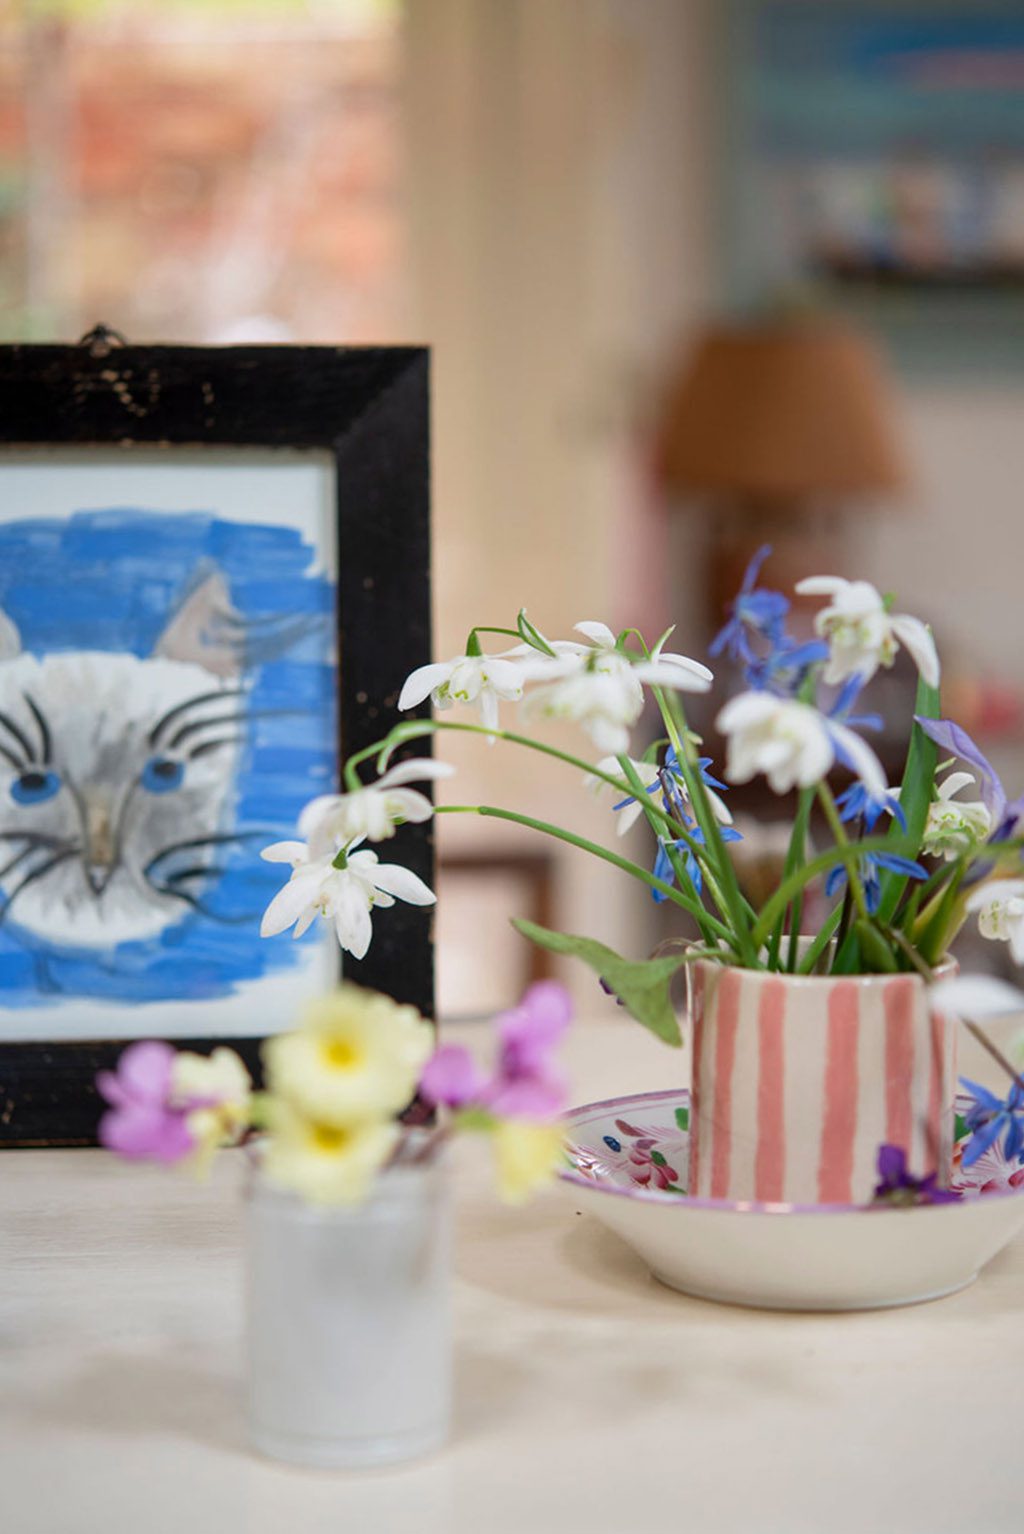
column 958, row 743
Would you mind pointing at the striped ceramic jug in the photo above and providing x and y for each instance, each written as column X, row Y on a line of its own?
column 797, row 1080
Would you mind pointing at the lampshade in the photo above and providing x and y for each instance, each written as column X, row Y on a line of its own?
column 795, row 412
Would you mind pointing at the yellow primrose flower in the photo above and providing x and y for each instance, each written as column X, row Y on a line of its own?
column 220, row 1087
column 321, row 1162
column 357, row 1057
column 527, row 1156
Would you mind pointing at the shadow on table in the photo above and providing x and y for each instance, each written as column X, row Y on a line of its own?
column 146, row 1395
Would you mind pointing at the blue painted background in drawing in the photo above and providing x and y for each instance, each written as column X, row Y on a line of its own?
column 110, row 581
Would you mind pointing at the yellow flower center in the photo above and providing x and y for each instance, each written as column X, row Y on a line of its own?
column 329, row 1140
column 341, row 1054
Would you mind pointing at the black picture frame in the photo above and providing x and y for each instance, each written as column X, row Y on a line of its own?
column 368, row 407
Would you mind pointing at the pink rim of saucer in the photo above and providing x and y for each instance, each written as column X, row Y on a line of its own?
column 598, row 1110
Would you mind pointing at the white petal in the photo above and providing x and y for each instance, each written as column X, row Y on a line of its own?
column 628, row 817
column 976, row 996
column 598, row 633
column 317, row 811
column 402, row 882
column 865, row 763
column 995, row 889
column 820, row 585
column 287, row 906
column 954, row 783
column 285, row 852
column 674, row 671
column 918, row 640
column 423, row 681
column 352, row 919
column 410, row 804
column 746, row 709
column 416, row 770
column 489, row 712
column 672, row 658
column 305, row 921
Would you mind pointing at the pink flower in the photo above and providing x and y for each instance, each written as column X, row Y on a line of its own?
column 526, row 1084
column 451, row 1079
column 142, row 1125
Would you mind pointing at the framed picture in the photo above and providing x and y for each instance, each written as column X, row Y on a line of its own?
column 874, row 161
column 213, row 580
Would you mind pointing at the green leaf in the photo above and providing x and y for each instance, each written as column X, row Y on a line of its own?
column 960, row 1130
column 642, row 985
column 916, row 795
column 877, row 953
column 683, row 1118
column 658, row 1158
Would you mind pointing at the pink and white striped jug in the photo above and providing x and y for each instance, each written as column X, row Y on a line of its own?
column 797, row 1080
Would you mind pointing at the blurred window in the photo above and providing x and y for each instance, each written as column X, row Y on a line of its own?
column 201, row 170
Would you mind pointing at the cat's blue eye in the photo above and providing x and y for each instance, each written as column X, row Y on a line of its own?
column 35, row 786
column 162, row 774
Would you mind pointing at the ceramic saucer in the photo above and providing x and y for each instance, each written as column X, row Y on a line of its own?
column 629, row 1163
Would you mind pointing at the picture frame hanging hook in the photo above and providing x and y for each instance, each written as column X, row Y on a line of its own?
column 101, row 340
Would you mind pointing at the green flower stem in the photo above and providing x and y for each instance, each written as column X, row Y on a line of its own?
column 716, row 858
column 412, row 729
column 794, row 857
column 581, row 842
column 828, row 804
column 821, row 942
column 848, row 855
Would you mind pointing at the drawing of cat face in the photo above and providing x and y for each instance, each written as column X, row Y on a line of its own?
column 117, row 777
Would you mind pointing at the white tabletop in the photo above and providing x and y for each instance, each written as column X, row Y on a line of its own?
column 590, row 1398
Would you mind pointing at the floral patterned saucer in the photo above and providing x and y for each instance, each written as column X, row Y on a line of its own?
column 629, row 1165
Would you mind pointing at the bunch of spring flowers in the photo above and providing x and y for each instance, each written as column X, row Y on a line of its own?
column 330, row 1120
column 905, row 865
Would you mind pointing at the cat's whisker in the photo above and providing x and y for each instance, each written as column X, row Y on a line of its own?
column 14, row 761
column 221, row 719
column 215, row 745
column 45, row 738
column 190, row 703
column 204, row 910
column 22, row 739
column 199, row 871
column 219, row 839
column 26, row 852
column 31, row 878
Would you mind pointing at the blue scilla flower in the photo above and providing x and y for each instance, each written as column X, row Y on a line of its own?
column 857, row 803
column 844, row 703
column 669, row 781
column 991, row 1116
column 782, row 669
column 753, row 612
column 869, row 869
column 663, row 867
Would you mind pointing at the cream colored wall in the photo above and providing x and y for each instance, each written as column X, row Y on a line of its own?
column 562, row 179
column 556, row 184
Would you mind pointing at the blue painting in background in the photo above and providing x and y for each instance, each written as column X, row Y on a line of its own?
column 112, row 581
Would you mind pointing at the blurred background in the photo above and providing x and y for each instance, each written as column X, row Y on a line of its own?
column 696, row 274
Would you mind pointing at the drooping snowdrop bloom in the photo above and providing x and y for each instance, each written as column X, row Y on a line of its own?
column 601, row 688
column 483, row 680
column 793, row 744
column 862, row 635
column 999, row 907
column 373, row 813
column 955, row 826
column 629, row 809
column 344, row 896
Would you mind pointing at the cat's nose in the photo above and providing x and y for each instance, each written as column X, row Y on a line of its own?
column 99, row 852
column 98, row 875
